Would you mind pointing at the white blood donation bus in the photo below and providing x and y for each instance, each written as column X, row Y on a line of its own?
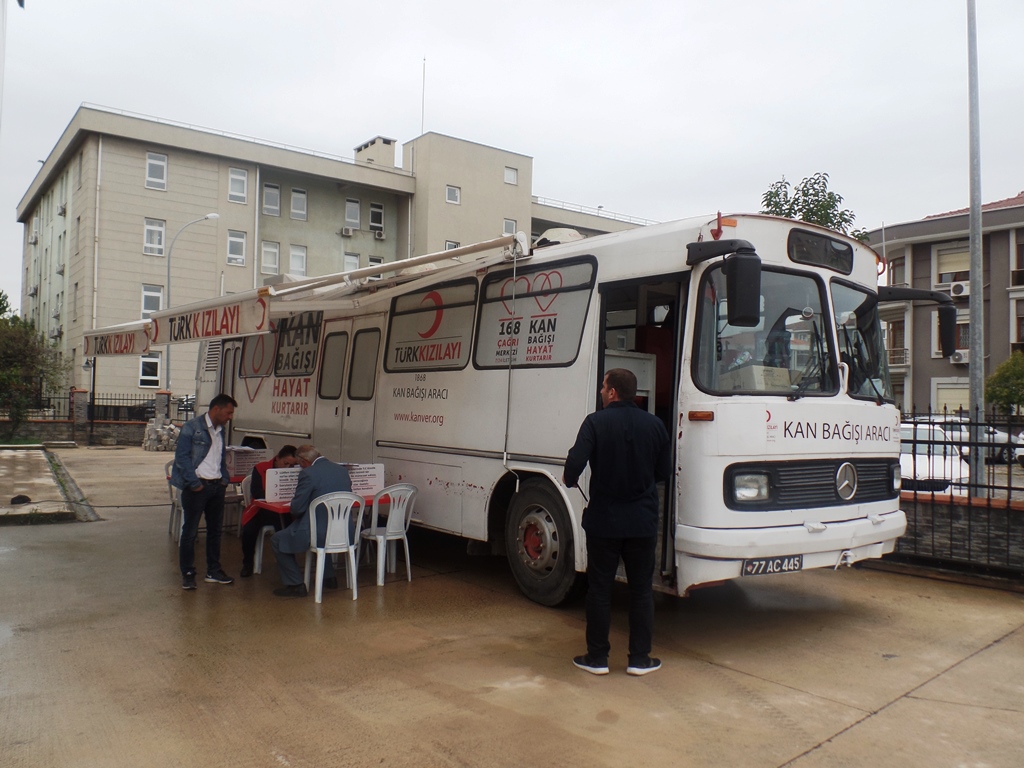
column 755, row 339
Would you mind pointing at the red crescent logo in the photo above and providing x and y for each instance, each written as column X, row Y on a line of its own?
column 263, row 305
column 435, row 297
column 769, row 415
column 156, row 329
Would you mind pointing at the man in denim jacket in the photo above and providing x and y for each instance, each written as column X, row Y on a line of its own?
column 202, row 475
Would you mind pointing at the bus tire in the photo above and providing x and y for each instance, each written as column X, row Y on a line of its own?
column 539, row 545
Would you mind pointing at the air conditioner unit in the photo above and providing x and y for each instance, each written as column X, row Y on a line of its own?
column 961, row 357
column 33, row 239
column 62, row 210
column 33, row 291
column 57, row 332
column 55, row 314
column 379, row 234
column 60, row 269
column 346, row 231
column 960, row 289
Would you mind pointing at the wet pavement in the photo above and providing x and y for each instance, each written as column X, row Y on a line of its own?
column 106, row 661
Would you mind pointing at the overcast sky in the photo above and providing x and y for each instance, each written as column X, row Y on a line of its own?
column 655, row 108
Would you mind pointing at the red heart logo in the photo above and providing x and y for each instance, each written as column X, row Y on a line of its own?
column 507, row 289
column 547, row 282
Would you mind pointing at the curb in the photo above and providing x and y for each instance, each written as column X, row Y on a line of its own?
column 82, row 509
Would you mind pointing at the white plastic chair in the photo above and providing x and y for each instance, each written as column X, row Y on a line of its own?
column 339, row 511
column 402, row 497
column 266, row 530
column 174, row 523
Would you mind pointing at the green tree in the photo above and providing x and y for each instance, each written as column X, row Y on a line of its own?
column 813, row 202
column 1005, row 387
column 30, row 367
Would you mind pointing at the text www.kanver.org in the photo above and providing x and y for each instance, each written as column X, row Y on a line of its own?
column 421, row 418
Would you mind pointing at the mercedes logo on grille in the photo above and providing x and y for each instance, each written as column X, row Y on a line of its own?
column 846, row 481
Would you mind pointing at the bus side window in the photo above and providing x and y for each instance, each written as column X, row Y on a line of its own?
column 332, row 366
column 363, row 372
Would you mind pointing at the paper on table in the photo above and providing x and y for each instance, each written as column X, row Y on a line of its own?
column 367, row 479
column 281, row 483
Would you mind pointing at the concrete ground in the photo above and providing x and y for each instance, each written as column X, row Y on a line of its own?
column 105, row 661
column 26, row 472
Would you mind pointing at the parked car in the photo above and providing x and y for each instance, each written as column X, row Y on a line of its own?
column 930, row 460
column 999, row 447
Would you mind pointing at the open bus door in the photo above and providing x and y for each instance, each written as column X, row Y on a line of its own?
column 346, row 391
column 641, row 331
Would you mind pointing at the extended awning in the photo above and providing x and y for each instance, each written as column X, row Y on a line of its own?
column 251, row 312
column 125, row 339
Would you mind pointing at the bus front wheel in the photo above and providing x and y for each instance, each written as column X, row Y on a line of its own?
column 539, row 545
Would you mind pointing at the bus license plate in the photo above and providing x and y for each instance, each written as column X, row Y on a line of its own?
column 765, row 565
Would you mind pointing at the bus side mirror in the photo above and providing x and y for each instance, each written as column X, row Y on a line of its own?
column 743, row 288
column 947, row 329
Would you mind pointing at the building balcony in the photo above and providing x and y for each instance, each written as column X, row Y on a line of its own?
column 898, row 356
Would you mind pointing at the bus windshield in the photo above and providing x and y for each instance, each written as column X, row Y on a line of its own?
column 787, row 353
column 860, row 342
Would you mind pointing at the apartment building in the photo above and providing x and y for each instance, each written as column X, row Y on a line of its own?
column 118, row 222
column 933, row 253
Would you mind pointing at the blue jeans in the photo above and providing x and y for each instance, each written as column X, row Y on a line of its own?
column 208, row 502
column 602, row 563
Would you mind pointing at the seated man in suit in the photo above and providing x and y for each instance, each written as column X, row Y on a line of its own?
column 318, row 476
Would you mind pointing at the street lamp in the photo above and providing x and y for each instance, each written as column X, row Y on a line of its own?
column 167, row 290
column 90, row 365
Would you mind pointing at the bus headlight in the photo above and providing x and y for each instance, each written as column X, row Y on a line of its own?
column 750, row 487
column 897, row 478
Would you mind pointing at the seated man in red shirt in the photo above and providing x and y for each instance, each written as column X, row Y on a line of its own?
column 254, row 518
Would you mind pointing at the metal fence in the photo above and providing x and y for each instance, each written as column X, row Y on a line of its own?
column 955, row 520
column 109, row 408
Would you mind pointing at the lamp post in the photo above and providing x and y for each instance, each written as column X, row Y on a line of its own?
column 90, row 365
column 167, row 290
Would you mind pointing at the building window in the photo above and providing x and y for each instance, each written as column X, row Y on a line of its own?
column 152, row 300
column 78, row 170
column 952, row 262
column 270, row 264
column 156, row 171
column 963, row 335
column 509, row 228
column 271, row 199
column 351, row 261
column 153, row 242
column 236, row 248
column 376, row 217
column 238, row 185
column 896, row 343
column 297, row 260
column 453, row 194
column 375, row 261
column 898, row 271
column 450, row 245
column 299, row 204
column 352, row 213
column 511, row 175
column 149, row 370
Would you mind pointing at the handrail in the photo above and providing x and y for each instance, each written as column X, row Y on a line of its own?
column 591, row 211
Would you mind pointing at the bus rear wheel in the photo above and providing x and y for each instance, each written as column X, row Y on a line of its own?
column 539, row 545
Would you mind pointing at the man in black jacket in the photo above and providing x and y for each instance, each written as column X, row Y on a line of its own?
column 629, row 450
